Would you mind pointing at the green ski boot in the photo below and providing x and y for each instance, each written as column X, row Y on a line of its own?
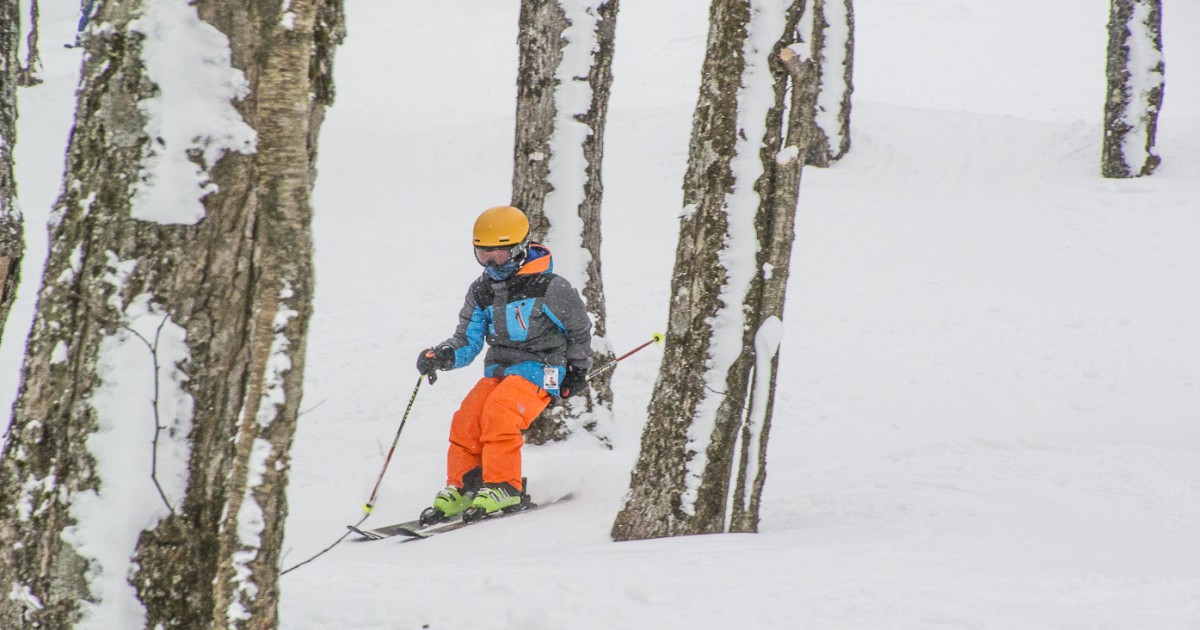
column 448, row 503
column 493, row 498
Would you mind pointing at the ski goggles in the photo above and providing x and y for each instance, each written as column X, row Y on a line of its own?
column 496, row 255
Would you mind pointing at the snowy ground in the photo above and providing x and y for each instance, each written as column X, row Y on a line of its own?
column 989, row 405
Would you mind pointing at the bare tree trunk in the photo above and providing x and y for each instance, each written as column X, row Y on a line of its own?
column 1135, row 88
column 143, row 482
column 731, row 270
column 769, row 291
column 563, row 83
column 12, row 238
column 833, row 53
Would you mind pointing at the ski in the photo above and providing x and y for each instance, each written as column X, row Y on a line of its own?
column 421, row 534
column 408, row 528
column 413, row 531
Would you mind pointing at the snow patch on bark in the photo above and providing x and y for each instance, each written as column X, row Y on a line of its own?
column 22, row 593
column 766, row 346
column 191, row 121
column 250, row 525
column 76, row 261
column 288, row 17
column 279, row 362
column 59, row 353
column 31, row 490
column 738, row 257
column 110, row 519
column 787, row 155
column 116, row 274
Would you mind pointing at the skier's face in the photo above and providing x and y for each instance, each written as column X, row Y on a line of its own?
column 495, row 256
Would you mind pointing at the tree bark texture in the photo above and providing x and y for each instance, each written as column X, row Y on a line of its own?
column 1135, row 88
column 833, row 54
column 691, row 421
column 563, row 84
column 236, row 284
column 12, row 235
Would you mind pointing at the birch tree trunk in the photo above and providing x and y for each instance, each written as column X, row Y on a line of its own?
column 1135, row 88
column 143, row 481
column 713, row 399
column 12, row 239
column 833, row 54
column 563, row 83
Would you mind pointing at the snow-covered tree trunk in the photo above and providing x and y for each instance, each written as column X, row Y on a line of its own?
column 712, row 402
column 565, row 73
column 12, row 239
column 1135, row 88
column 143, row 481
column 833, row 52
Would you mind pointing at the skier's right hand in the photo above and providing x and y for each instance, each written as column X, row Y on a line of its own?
column 433, row 359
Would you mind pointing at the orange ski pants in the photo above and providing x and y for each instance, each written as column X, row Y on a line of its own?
column 486, row 430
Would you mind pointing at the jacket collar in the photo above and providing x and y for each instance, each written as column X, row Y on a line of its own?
column 538, row 261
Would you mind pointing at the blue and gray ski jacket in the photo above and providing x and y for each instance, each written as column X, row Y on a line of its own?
column 534, row 323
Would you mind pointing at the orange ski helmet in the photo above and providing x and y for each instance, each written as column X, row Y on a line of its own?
column 501, row 226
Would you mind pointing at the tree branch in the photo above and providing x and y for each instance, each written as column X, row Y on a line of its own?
column 158, row 426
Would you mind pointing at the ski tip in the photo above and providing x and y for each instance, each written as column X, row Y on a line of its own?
column 365, row 534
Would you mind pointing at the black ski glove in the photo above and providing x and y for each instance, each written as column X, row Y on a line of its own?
column 574, row 382
column 434, row 359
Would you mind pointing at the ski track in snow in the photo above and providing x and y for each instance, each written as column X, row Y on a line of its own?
column 989, row 374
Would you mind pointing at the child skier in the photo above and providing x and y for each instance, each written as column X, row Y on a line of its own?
column 540, row 338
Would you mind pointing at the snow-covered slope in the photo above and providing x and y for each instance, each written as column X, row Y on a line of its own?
column 989, row 403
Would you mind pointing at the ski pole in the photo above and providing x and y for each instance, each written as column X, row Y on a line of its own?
column 654, row 338
column 370, row 504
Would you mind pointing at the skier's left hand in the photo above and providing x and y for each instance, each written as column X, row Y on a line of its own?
column 574, row 382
